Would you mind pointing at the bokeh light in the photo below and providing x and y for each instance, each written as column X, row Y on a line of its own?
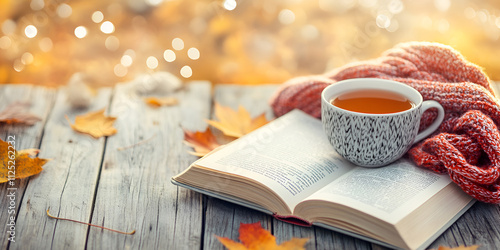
column 152, row 62
column 229, row 41
column 80, row 32
column 177, row 44
column 230, row 4
column 64, row 10
column 107, row 27
column 169, row 55
column 193, row 53
column 186, row 71
column 5, row 42
column 97, row 17
column 30, row 31
column 126, row 60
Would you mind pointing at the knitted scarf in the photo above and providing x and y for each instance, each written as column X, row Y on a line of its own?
column 466, row 145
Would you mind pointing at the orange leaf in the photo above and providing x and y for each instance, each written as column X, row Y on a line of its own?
column 17, row 164
column 17, row 113
column 202, row 142
column 158, row 102
column 253, row 236
column 236, row 124
column 474, row 247
column 95, row 124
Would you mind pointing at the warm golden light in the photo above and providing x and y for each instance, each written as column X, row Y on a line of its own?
column 46, row 44
column 112, row 43
column 126, row 60
column 5, row 42
column 169, row 55
column 177, row 44
column 229, row 41
column 193, row 53
column 30, row 31
column 64, row 10
column 230, row 4
column 186, row 71
column 80, row 32
column 97, row 17
column 152, row 62
column 107, row 27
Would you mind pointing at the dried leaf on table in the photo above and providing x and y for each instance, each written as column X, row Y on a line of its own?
column 253, row 236
column 236, row 123
column 17, row 113
column 95, row 124
column 161, row 101
column 17, row 163
column 201, row 142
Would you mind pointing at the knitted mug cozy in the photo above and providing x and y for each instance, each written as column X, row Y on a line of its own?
column 466, row 145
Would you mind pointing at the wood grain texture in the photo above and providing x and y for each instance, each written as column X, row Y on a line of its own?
column 134, row 191
column 67, row 184
column 42, row 100
column 123, row 182
column 327, row 239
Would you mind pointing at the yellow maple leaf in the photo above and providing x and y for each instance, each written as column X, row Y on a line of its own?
column 95, row 124
column 17, row 164
column 253, row 237
column 201, row 142
column 236, row 124
column 158, row 102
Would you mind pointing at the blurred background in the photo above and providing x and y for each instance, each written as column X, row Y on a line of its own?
column 45, row 42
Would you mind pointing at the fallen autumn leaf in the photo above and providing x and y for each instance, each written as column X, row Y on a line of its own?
column 95, row 124
column 17, row 163
column 236, row 123
column 253, row 237
column 201, row 142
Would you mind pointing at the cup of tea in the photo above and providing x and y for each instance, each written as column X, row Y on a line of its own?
column 372, row 122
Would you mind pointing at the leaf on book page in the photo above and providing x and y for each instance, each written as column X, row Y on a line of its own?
column 18, row 164
column 474, row 247
column 17, row 113
column 253, row 237
column 236, row 123
column 157, row 102
column 95, row 124
column 201, row 142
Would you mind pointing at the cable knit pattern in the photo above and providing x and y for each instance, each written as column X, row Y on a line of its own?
column 467, row 144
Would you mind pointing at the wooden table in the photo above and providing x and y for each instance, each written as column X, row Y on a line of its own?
column 123, row 181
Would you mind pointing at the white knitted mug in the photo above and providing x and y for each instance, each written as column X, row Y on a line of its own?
column 373, row 140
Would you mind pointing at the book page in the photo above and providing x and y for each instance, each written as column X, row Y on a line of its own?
column 389, row 193
column 291, row 155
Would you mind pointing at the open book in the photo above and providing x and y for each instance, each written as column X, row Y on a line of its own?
column 287, row 168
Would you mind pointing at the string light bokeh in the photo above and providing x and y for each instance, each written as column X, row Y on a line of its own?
column 45, row 42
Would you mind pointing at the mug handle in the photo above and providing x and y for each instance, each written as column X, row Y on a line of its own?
column 435, row 124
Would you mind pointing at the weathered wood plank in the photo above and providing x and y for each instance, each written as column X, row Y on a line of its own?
column 478, row 226
column 223, row 218
column 327, row 239
column 134, row 190
column 67, row 184
column 41, row 100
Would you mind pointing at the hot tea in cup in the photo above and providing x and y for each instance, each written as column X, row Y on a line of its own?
column 373, row 101
column 373, row 122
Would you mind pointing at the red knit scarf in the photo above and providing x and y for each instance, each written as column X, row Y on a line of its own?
column 467, row 144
